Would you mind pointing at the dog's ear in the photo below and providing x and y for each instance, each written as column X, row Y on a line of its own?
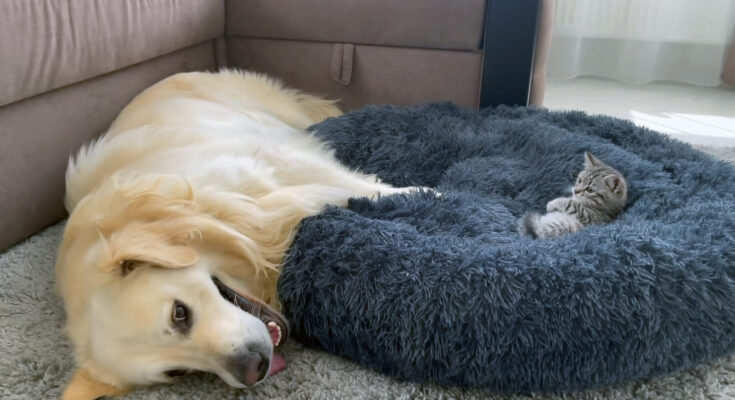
column 83, row 387
column 144, row 220
column 162, row 244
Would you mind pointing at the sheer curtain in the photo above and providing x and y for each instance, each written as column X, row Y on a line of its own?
column 640, row 41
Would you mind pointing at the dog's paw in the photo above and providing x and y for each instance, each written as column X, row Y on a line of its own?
column 405, row 190
column 414, row 189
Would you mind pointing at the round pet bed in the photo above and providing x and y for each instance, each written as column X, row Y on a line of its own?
column 445, row 290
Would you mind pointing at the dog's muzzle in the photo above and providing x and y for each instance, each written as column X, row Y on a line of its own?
column 251, row 365
column 276, row 324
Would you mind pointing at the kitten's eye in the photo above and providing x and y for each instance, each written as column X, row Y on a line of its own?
column 579, row 180
column 588, row 190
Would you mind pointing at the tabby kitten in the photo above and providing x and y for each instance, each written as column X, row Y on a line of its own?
column 597, row 198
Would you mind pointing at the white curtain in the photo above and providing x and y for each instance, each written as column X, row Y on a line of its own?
column 640, row 41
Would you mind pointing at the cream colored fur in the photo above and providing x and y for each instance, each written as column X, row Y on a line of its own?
column 200, row 175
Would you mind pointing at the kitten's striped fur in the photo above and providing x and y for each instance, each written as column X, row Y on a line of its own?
column 598, row 196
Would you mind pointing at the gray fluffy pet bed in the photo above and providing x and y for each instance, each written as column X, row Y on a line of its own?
column 445, row 290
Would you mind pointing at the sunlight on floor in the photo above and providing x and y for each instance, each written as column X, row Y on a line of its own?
column 694, row 124
column 699, row 115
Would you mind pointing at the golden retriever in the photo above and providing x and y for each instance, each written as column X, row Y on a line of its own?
column 180, row 216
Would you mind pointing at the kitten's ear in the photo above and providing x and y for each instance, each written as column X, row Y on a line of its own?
column 613, row 182
column 591, row 161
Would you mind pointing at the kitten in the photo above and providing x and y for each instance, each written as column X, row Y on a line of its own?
column 597, row 198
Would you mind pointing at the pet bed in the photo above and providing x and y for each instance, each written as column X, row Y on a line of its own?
column 445, row 290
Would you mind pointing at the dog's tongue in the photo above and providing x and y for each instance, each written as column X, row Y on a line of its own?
column 278, row 363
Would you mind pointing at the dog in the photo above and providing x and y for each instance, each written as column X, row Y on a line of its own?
column 179, row 219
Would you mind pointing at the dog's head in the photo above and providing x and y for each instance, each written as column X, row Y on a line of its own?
column 158, row 281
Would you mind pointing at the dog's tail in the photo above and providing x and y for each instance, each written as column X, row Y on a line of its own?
column 318, row 109
column 527, row 224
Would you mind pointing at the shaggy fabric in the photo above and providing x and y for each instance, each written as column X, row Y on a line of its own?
column 444, row 289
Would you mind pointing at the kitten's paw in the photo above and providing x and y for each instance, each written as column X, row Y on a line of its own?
column 556, row 205
column 527, row 224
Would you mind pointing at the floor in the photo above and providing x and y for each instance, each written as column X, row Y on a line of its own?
column 699, row 115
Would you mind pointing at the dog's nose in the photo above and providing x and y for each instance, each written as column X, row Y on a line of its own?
column 250, row 367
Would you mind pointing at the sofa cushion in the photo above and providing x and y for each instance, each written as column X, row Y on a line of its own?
column 47, row 44
column 38, row 135
column 367, row 74
column 437, row 24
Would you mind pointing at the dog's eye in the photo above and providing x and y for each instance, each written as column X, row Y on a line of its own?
column 179, row 313
column 128, row 266
column 181, row 317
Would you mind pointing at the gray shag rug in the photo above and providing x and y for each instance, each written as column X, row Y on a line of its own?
column 36, row 360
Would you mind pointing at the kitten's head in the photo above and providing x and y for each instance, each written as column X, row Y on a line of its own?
column 599, row 185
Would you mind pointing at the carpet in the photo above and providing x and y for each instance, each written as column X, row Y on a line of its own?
column 36, row 363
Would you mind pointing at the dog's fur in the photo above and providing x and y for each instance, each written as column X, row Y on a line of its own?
column 201, row 175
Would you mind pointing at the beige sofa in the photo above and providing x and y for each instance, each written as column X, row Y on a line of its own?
column 68, row 67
